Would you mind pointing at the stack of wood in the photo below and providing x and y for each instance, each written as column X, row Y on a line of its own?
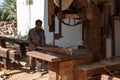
column 8, row 28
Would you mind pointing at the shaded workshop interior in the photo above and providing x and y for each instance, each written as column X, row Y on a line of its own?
column 100, row 20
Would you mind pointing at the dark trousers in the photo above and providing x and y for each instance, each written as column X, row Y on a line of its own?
column 34, row 62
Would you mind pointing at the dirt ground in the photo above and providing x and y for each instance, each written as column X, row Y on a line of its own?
column 25, row 75
column 22, row 72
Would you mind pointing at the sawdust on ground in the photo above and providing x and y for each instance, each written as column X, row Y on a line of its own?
column 22, row 72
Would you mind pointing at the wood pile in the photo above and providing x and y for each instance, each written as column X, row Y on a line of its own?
column 8, row 28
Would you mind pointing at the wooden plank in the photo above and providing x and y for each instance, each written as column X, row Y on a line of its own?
column 51, row 16
column 56, row 49
column 52, row 57
column 43, row 56
column 100, row 1
column 7, row 53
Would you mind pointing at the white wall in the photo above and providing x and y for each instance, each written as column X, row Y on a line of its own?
column 108, row 47
column 22, row 17
column 37, row 11
column 26, row 16
column 72, row 35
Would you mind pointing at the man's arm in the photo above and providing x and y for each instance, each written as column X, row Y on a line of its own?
column 43, row 39
column 32, row 45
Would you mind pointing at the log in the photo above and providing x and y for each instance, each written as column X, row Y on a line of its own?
column 56, row 50
column 13, row 40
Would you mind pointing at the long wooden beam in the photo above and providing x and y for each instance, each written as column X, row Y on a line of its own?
column 54, row 57
column 17, row 41
column 7, row 55
column 21, row 43
column 56, row 50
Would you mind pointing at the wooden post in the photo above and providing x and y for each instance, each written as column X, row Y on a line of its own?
column 106, row 28
column 53, row 70
column 22, row 49
column 51, row 16
column 113, row 36
column 93, row 30
column 7, row 55
column 6, row 62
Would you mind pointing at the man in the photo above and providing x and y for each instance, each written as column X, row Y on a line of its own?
column 36, row 38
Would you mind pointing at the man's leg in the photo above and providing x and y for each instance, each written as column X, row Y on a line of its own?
column 32, row 63
column 38, row 65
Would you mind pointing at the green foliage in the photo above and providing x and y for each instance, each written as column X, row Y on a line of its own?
column 8, row 10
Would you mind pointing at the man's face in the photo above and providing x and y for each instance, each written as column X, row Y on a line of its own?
column 38, row 26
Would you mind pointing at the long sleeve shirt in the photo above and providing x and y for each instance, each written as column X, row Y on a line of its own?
column 36, row 38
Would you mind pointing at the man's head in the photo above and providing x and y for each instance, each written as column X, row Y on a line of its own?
column 38, row 24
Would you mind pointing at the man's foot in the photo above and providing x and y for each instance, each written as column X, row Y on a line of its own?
column 42, row 70
column 43, row 73
column 32, row 72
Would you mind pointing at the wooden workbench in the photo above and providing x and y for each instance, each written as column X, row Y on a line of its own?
column 61, row 65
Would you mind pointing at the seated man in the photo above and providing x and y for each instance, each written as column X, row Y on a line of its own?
column 36, row 38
